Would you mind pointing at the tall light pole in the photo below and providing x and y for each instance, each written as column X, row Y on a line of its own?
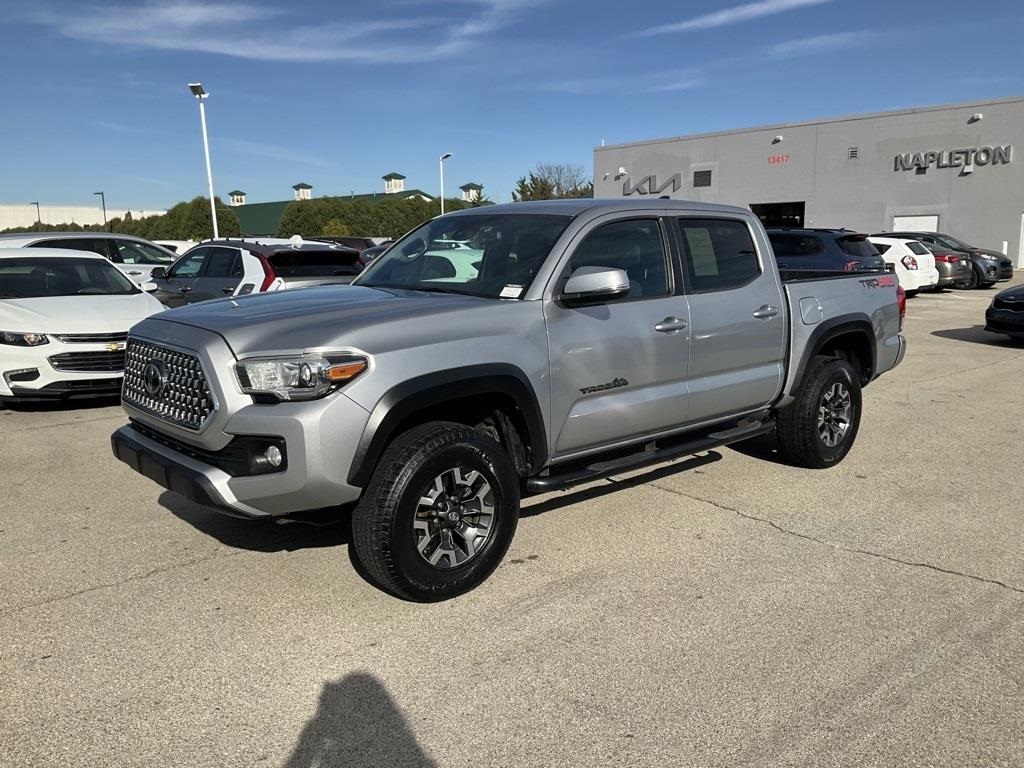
column 103, row 199
column 39, row 219
column 201, row 94
column 440, row 166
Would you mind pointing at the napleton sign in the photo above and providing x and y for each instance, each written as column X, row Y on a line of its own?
column 954, row 158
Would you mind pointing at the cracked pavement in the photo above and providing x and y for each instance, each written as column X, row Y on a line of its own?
column 720, row 611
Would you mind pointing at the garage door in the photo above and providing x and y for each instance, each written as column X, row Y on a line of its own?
column 915, row 223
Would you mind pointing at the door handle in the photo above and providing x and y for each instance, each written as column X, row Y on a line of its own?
column 227, row 290
column 670, row 325
column 184, row 289
column 136, row 273
column 765, row 311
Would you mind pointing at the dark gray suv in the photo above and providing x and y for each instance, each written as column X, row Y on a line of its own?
column 824, row 250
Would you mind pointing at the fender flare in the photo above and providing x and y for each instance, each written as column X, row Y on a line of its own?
column 416, row 394
column 828, row 330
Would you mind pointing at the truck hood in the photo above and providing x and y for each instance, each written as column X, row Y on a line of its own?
column 340, row 316
column 76, row 314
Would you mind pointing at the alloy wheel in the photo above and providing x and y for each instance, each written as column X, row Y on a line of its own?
column 455, row 516
column 834, row 411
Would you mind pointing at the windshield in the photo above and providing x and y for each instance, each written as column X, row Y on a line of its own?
column 32, row 278
column 479, row 254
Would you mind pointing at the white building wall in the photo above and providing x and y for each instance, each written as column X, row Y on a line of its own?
column 25, row 215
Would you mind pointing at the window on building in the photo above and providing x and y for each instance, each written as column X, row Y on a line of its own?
column 719, row 253
column 702, row 178
column 853, row 153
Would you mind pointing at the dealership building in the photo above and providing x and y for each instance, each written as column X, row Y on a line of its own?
column 954, row 169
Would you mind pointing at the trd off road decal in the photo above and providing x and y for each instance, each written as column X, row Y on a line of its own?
column 614, row 384
column 879, row 282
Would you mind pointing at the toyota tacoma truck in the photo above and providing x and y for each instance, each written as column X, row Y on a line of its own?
column 501, row 351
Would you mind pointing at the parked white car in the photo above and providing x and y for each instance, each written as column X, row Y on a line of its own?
column 177, row 246
column 64, row 320
column 914, row 264
column 134, row 256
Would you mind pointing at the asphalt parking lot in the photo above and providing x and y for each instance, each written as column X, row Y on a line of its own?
column 722, row 611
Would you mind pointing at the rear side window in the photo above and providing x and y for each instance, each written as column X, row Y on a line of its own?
column 795, row 245
column 916, row 247
column 224, row 262
column 87, row 244
column 326, row 263
column 882, row 247
column 857, row 245
column 718, row 253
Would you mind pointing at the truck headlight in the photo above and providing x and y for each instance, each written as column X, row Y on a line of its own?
column 23, row 339
column 298, row 378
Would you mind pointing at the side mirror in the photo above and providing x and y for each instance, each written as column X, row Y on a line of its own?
column 157, row 273
column 149, row 286
column 588, row 284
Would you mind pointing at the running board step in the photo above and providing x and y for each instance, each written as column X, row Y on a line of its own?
column 651, row 453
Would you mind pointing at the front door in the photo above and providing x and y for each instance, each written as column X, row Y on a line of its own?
column 173, row 290
column 618, row 369
column 737, row 319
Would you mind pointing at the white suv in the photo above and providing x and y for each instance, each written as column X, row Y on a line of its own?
column 134, row 256
column 914, row 264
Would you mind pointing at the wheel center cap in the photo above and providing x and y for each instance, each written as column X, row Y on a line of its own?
column 454, row 515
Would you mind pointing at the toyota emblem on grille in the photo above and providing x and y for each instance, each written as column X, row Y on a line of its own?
column 154, row 378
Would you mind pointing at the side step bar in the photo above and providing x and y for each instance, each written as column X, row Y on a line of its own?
column 654, row 452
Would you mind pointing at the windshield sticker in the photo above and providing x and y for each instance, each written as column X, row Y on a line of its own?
column 511, row 292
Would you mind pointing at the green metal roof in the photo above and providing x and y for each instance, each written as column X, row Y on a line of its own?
column 263, row 219
column 393, row 175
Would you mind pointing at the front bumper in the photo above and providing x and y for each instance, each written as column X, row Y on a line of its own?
column 1005, row 321
column 29, row 373
column 320, row 439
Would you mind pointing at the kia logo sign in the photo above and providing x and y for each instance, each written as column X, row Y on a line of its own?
column 648, row 185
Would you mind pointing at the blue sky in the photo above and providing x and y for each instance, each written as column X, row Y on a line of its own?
column 337, row 94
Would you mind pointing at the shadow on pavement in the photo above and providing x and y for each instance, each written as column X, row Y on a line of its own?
column 50, row 406
column 357, row 725
column 566, row 498
column 977, row 334
column 327, row 530
column 764, row 448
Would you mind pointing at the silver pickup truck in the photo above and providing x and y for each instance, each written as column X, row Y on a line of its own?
column 495, row 352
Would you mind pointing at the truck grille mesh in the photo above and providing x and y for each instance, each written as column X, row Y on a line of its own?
column 184, row 396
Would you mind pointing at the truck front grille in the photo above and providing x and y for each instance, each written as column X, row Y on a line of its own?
column 93, row 362
column 168, row 384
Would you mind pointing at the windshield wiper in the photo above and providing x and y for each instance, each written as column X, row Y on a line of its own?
column 423, row 288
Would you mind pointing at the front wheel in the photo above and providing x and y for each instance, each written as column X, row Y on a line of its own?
column 972, row 282
column 439, row 512
column 819, row 428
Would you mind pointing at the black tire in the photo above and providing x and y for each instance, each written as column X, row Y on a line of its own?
column 911, row 294
column 985, row 285
column 800, row 440
column 973, row 282
column 383, row 525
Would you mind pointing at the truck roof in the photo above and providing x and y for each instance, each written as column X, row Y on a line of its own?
column 576, row 206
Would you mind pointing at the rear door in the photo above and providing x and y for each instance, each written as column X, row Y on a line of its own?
column 618, row 368
column 738, row 319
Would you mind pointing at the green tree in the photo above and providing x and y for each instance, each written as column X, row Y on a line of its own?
column 334, row 227
column 553, row 181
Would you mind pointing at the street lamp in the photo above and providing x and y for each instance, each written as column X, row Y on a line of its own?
column 39, row 219
column 103, row 199
column 199, row 92
column 440, row 165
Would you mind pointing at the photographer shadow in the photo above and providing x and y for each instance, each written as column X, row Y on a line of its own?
column 357, row 725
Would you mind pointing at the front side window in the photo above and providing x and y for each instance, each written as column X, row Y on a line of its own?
column 634, row 246
column 190, row 264
column 719, row 253
column 30, row 278
column 952, row 242
column 478, row 254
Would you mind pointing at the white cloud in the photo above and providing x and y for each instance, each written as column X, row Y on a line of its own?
column 727, row 16
column 250, row 30
column 659, row 82
column 808, row 46
column 271, row 152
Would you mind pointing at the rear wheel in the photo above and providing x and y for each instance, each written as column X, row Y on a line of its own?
column 439, row 512
column 819, row 429
column 911, row 294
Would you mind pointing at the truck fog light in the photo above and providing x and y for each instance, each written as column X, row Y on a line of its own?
column 273, row 456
